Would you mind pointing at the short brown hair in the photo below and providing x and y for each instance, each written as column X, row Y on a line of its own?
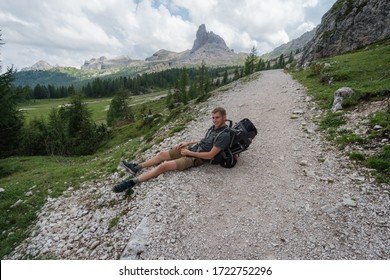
column 220, row 110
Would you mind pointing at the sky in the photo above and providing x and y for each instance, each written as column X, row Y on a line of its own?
column 67, row 33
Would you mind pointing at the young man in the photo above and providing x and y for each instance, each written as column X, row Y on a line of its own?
column 183, row 155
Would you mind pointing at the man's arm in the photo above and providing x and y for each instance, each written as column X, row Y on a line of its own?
column 202, row 155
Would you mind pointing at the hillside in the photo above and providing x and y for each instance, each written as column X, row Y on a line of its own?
column 291, row 196
column 294, row 46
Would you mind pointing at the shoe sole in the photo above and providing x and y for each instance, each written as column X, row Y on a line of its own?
column 116, row 191
column 128, row 169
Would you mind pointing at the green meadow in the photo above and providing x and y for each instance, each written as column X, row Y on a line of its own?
column 98, row 107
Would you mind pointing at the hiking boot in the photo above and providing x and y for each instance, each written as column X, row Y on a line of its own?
column 133, row 168
column 125, row 185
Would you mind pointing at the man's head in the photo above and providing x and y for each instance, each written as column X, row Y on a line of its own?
column 219, row 117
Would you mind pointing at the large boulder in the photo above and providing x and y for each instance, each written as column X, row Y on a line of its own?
column 339, row 95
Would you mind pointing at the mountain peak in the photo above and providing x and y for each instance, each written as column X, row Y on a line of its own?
column 39, row 66
column 203, row 37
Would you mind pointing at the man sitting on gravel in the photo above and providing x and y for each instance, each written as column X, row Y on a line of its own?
column 183, row 155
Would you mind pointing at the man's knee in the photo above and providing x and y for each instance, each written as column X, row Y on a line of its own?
column 164, row 155
column 167, row 166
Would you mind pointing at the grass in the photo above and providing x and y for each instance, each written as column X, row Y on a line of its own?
column 356, row 156
column 32, row 180
column 38, row 108
column 380, row 162
column 367, row 72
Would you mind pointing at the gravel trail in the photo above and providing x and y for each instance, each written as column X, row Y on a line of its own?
column 291, row 196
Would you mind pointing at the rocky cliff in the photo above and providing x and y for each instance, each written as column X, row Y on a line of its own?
column 208, row 47
column 204, row 38
column 349, row 25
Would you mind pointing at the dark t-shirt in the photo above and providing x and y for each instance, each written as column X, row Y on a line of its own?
column 207, row 143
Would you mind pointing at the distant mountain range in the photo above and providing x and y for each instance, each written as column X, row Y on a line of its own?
column 348, row 25
column 208, row 47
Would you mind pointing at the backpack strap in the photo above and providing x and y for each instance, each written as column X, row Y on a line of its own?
column 219, row 133
column 230, row 123
column 209, row 131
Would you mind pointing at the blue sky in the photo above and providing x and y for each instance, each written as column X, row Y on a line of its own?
column 69, row 32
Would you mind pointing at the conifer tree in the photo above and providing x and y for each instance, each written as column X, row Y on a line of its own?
column 119, row 109
column 11, row 119
column 290, row 58
column 202, row 79
column 183, row 83
column 225, row 78
column 250, row 62
column 281, row 62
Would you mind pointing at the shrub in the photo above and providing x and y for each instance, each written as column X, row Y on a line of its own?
column 340, row 76
column 119, row 110
column 315, row 70
column 34, row 137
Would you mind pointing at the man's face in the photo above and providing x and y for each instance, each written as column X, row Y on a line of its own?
column 218, row 119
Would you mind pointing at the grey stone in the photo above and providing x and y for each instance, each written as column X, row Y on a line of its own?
column 349, row 202
column 137, row 243
column 339, row 95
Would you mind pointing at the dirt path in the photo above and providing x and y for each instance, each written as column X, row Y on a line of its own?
column 288, row 197
column 291, row 196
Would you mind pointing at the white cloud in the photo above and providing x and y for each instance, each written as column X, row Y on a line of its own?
column 69, row 32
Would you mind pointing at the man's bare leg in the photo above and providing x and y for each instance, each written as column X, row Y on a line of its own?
column 160, row 157
column 163, row 167
column 164, row 162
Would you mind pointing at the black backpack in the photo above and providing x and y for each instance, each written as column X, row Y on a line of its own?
column 241, row 136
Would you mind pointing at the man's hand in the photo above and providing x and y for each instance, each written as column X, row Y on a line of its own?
column 181, row 145
column 202, row 155
column 184, row 144
column 185, row 152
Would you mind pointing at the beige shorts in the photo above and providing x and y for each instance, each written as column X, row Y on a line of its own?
column 184, row 162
